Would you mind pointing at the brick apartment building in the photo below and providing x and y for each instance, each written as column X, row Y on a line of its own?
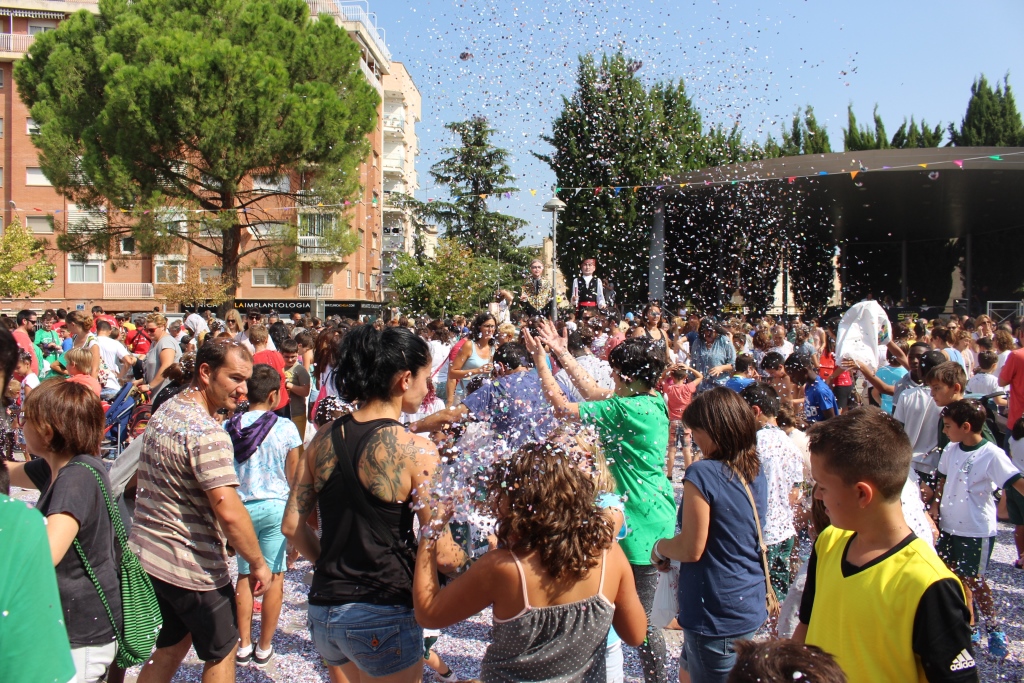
column 326, row 284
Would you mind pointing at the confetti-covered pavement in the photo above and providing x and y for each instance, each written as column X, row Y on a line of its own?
column 462, row 646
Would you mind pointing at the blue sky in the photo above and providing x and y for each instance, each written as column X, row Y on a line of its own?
column 756, row 61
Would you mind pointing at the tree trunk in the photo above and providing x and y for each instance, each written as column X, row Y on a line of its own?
column 231, row 247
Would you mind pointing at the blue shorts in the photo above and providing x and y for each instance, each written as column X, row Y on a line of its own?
column 266, row 518
column 379, row 639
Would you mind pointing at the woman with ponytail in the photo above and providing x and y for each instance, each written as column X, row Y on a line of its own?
column 369, row 476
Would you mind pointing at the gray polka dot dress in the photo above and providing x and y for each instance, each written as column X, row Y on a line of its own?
column 563, row 643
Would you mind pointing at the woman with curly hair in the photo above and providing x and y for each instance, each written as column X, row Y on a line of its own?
column 557, row 546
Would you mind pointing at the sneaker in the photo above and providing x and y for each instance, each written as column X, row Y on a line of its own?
column 997, row 644
column 244, row 656
column 263, row 658
column 452, row 677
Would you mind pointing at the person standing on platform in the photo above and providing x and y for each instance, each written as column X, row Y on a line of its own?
column 587, row 290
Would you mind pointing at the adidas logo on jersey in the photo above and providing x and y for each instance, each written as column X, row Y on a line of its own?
column 963, row 661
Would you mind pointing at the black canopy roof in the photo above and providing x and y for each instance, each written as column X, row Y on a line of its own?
column 893, row 194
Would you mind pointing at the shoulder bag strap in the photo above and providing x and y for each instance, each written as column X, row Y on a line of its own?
column 356, row 494
column 771, row 598
column 115, row 518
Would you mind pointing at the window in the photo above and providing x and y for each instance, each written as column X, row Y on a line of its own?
column 39, row 224
column 85, row 272
column 348, row 278
column 271, row 184
column 174, row 222
column 30, row 127
column 34, row 177
column 373, row 281
column 207, row 274
column 374, row 240
column 268, row 277
column 1, row 78
column 362, row 281
column 1, row 124
column 38, row 26
column 127, row 245
column 268, row 230
column 84, row 220
column 169, row 270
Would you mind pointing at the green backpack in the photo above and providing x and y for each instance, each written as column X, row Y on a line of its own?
column 139, row 607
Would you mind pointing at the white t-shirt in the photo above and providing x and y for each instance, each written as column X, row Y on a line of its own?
column 803, row 444
column 1017, row 453
column 786, row 349
column 783, row 468
column 112, row 352
column 967, row 507
column 920, row 417
column 31, row 381
column 439, row 353
column 1000, row 363
column 983, row 383
column 597, row 368
column 913, row 510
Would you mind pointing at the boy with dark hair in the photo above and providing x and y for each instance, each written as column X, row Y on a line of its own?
column 267, row 449
column 819, row 401
column 904, row 616
column 970, row 470
column 773, row 365
column 783, row 661
column 919, row 415
column 984, row 381
column 745, row 374
column 784, row 471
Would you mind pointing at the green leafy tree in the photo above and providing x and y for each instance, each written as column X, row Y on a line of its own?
column 617, row 134
column 992, row 119
column 476, row 171
column 914, row 136
column 456, row 281
column 159, row 108
column 25, row 269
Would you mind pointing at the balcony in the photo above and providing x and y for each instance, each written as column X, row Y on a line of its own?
column 394, row 126
column 393, row 165
column 311, row 248
column 15, row 43
column 310, row 290
column 127, row 290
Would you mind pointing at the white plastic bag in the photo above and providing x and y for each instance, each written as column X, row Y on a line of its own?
column 864, row 329
column 666, row 597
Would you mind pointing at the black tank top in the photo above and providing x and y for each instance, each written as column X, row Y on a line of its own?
column 355, row 565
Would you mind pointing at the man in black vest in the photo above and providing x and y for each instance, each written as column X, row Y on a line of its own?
column 587, row 290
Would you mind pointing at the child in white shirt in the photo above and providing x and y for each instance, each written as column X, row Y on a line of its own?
column 970, row 470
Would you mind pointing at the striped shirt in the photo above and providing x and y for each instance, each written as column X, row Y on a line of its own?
column 176, row 535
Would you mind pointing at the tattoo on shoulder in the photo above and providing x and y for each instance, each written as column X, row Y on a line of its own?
column 383, row 462
column 301, row 499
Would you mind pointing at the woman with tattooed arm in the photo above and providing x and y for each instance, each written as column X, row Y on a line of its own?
column 369, row 476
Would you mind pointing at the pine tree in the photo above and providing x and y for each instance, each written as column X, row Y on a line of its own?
column 992, row 119
column 856, row 138
column 805, row 136
column 917, row 137
column 475, row 171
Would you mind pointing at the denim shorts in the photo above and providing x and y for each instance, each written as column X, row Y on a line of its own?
column 379, row 639
column 708, row 659
column 266, row 518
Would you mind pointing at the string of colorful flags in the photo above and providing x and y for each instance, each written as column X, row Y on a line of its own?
column 958, row 163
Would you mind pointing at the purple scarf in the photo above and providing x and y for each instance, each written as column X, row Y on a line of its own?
column 247, row 439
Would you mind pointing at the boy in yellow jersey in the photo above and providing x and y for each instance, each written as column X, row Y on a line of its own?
column 877, row 597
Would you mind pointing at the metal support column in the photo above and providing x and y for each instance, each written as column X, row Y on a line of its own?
column 656, row 263
column 969, row 275
column 904, row 282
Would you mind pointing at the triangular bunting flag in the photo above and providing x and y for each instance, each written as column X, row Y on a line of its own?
column 681, row 185
column 636, row 188
column 617, row 190
column 923, row 165
column 959, row 163
column 483, row 196
column 577, row 191
column 853, row 174
column 597, row 191
column 791, row 179
column 996, row 157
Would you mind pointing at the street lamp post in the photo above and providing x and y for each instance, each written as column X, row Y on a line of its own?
column 554, row 206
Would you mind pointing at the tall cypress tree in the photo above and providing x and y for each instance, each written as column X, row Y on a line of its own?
column 475, row 172
column 992, row 119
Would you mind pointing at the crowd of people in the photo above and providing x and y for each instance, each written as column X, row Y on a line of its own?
column 836, row 520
